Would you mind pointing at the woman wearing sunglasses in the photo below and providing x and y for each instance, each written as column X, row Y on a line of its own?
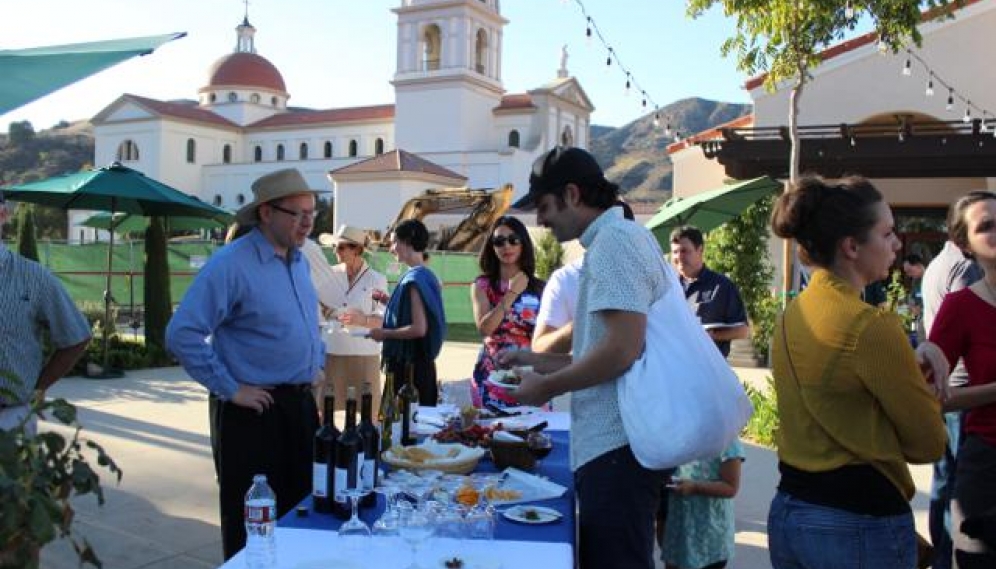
column 506, row 299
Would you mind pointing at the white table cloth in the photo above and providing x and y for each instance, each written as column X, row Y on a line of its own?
column 315, row 549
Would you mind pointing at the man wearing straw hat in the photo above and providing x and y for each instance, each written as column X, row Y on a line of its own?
column 349, row 295
column 247, row 330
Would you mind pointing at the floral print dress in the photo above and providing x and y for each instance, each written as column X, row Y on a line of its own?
column 514, row 332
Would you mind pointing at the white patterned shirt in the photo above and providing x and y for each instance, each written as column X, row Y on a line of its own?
column 621, row 271
column 31, row 300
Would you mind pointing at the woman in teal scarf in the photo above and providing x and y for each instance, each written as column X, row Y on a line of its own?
column 414, row 322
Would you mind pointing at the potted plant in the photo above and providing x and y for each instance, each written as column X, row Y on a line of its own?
column 39, row 474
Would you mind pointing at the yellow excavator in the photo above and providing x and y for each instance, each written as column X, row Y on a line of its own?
column 470, row 235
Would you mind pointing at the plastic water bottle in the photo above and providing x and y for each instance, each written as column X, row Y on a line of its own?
column 261, row 521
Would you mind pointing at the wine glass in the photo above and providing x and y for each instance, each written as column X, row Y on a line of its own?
column 354, row 529
column 539, row 444
column 387, row 523
column 414, row 527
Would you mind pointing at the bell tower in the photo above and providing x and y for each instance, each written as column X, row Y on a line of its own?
column 448, row 77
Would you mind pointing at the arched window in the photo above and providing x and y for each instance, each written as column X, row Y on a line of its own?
column 432, row 48
column 567, row 137
column 328, row 149
column 257, row 153
column 240, row 199
column 213, row 97
column 280, row 152
column 513, row 138
column 217, row 200
column 127, row 151
column 226, row 154
column 379, row 146
column 302, row 152
column 353, row 149
column 233, row 96
column 191, row 151
column 481, row 52
column 255, row 98
column 273, row 101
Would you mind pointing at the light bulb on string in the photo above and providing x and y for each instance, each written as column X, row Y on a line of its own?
column 950, row 105
column 930, row 86
column 587, row 33
column 849, row 11
column 967, row 117
column 608, row 61
column 657, row 119
column 908, row 68
column 628, row 85
column 667, row 129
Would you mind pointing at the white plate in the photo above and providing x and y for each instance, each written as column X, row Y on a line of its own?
column 542, row 515
column 531, row 488
column 471, row 561
column 510, row 387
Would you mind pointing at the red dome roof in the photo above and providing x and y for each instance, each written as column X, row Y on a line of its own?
column 245, row 70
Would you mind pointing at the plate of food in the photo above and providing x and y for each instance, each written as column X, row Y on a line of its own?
column 526, row 514
column 430, row 455
column 508, row 379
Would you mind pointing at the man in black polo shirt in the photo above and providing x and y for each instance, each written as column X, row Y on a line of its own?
column 712, row 297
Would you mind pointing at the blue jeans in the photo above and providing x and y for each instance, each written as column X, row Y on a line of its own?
column 941, row 492
column 802, row 535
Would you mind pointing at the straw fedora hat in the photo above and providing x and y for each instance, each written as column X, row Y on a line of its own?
column 345, row 234
column 273, row 186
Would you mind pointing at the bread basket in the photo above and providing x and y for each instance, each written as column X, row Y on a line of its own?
column 452, row 458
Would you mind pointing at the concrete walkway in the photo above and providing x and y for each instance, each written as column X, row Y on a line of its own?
column 164, row 515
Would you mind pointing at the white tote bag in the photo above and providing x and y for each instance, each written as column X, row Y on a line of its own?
column 680, row 401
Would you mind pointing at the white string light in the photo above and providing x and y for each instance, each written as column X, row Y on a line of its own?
column 954, row 97
column 612, row 60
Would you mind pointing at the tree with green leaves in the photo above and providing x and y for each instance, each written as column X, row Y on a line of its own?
column 549, row 255
column 27, row 245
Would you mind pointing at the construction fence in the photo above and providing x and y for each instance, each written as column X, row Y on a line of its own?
column 83, row 270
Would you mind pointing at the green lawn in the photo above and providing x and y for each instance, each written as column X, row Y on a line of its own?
column 462, row 332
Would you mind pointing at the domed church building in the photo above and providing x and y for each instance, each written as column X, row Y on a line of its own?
column 452, row 123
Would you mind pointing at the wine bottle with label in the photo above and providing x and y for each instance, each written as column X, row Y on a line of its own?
column 371, row 444
column 408, row 402
column 390, row 433
column 324, row 458
column 348, row 457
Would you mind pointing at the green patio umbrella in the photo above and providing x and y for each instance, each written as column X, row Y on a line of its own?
column 710, row 209
column 130, row 223
column 32, row 73
column 114, row 188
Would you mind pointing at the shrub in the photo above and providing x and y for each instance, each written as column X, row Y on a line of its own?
column 549, row 255
column 763, row 425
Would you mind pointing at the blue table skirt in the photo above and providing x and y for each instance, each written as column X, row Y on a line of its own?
column 556, row 466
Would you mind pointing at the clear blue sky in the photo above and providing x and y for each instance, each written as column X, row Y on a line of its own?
column 338, row 53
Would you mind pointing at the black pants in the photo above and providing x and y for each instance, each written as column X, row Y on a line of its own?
column 617, row 501
column 425, row 379
column 277, row 443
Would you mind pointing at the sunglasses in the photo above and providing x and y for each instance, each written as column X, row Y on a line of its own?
column 501, row 240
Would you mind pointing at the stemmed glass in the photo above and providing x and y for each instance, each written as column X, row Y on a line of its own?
column 387, row 523
column 414, row 527
column 354, row 528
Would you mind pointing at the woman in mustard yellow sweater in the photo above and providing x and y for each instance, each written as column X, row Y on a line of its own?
column 853, row 403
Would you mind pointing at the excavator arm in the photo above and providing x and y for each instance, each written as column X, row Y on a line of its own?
column 470, row 234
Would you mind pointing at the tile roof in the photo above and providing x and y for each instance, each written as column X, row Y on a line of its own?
column 516, row 101
column 709, row 134
column 397, row 161
column 181, row 110
column 309, row 116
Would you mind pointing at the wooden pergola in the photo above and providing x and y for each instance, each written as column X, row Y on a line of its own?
column 902, row 149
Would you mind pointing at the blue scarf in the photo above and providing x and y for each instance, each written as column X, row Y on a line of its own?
column 399, row 314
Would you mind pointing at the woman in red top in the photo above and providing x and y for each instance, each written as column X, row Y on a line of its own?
column 964, row 329
column 506, row 300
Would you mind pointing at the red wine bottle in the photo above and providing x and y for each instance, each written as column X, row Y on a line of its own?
column 322, row 487
column 371, row 444
column 348, row 455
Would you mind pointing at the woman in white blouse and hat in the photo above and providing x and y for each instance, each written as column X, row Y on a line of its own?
column 348, row 295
